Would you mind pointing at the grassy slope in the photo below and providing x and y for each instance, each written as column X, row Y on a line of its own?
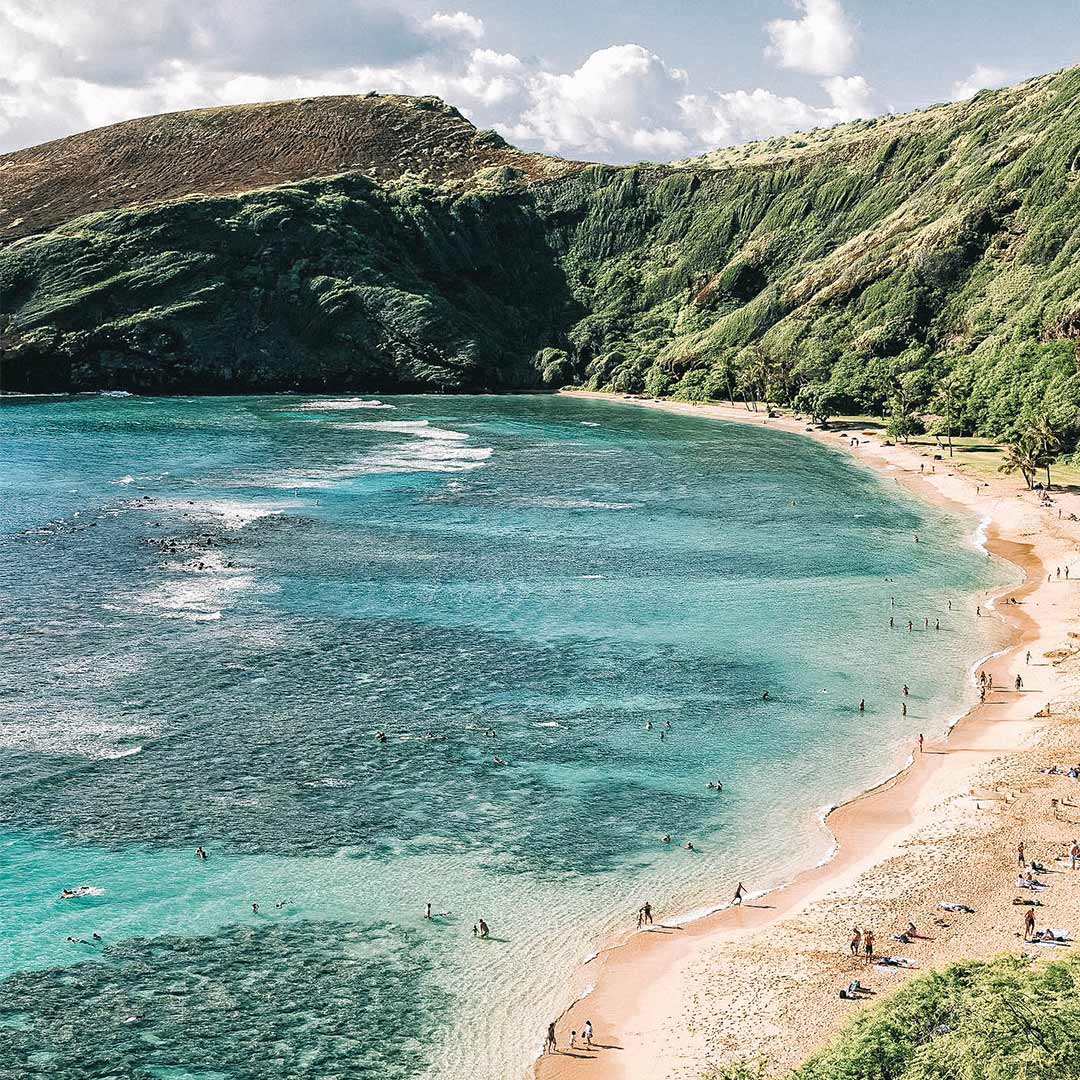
column 1002, row 1019
column 870, row 259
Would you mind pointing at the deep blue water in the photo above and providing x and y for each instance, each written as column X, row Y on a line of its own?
column 208, row 608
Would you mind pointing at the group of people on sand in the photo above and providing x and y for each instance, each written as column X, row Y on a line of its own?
column 551, row 1043
column 862, row 941
column 1026, row 879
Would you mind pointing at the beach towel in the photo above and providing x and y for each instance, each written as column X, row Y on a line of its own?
column 949, row 905
column 885, row 963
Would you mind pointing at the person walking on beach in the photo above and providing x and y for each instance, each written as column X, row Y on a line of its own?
column 1019, row 683
column 551, row 1043
column 1029, row 924
column 1074, row 855
column 856, row 940
column 573, row 1040
column 1027, row 657
column 739, row 892
column 920, row 742
column 646, row 910
column 978, row 610
column 903, row 708
column 640, row 917
column 586, row 1034
column 1020, row 854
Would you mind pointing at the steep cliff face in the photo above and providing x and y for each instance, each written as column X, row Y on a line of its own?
column 866, row 263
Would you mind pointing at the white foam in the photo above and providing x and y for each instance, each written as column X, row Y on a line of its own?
column 129, row 479
column 231, row 514
column 199, row 599
column 72, row 734
column 421, row 428
column 555, row 502
column 340, row 404
column 980, row 535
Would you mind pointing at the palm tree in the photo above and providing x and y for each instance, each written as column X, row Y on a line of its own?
column 1046, row 443
column 1020, row 455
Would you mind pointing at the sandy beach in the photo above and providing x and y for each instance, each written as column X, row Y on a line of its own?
column 762, row 981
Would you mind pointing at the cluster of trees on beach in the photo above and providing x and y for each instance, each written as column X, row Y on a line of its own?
column 1001, row 1019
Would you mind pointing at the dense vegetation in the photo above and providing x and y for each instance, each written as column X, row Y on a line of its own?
column 924, row 267
column 1002, row 1019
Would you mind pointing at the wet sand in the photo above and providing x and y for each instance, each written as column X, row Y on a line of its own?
column 762, row 980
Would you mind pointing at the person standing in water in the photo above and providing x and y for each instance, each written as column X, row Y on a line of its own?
column 483, row 928
column 646, row 910
column 920, row 742
column 739, row 893
column 862, row 704
column 427, row 910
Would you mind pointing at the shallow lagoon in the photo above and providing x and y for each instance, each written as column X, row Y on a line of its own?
column 209, row 606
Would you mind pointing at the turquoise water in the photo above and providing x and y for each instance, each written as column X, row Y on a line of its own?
column 208, row 607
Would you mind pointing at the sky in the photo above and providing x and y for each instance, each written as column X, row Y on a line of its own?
column 606, row 80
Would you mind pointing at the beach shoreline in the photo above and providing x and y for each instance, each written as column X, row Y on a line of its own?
column 645, row 995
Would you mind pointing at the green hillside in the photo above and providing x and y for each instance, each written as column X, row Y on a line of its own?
column 1001, row 1019
column 912, row 265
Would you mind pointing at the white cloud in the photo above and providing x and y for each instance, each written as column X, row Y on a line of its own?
column 623, row 97
column 821, row 42
column 460, row 22
column 982, row 77
column 740, row 116
column 67, row 66
column 850, row 96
